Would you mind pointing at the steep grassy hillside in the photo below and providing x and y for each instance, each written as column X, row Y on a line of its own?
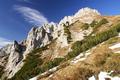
column 100, row 59
column 36, row 64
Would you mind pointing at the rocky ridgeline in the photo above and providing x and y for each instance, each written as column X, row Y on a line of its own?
column 12, row 56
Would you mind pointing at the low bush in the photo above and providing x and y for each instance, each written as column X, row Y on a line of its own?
column 67, row 33
column 93, row 23
column 52, row 63
column 85, row 26
column 96, row 24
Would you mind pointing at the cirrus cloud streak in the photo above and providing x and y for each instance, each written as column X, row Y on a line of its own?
column 32, row 16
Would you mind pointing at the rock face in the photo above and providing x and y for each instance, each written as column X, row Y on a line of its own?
column 16, row 55
column 4, row 53
column 66, row 19
column 40, row 36
column 12, row 56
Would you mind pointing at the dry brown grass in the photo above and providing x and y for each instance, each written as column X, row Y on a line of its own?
column 113, row 40
column 54, row 50
column 71, row 73
column 113, row 19
column 97, row 54
column 102, row 28
column 85, row 69
column 76, row 27
column 113, row 64
column 63, row 51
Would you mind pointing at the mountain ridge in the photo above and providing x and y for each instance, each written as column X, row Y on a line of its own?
column 54, row 39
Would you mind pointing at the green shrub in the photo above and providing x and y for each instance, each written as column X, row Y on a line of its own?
column 85, row 26
column 93, row 23
column 52, row 63
column 96, row 24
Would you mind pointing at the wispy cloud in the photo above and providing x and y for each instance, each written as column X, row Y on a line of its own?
column 32, row 15
column 4, row 42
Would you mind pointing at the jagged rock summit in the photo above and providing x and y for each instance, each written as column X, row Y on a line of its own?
column 86, row 11
column 85, row 15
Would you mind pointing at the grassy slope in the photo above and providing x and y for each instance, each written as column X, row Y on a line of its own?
column 101, row 59
column 34, row 64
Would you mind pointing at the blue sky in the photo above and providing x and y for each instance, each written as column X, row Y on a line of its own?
column 18, row 16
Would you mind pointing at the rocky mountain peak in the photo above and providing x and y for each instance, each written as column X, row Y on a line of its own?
column 86, row 15
column 86, row 11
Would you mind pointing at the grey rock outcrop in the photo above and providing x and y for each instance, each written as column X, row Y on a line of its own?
column 38, row 37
